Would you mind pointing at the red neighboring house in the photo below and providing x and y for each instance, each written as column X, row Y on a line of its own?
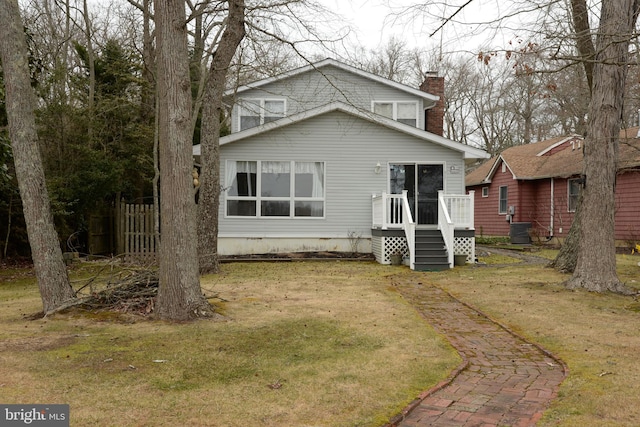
column 539, row 183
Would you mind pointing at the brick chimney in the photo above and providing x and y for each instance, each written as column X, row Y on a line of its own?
column 434, row 117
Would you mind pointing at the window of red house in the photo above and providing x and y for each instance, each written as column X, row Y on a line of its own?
column 502, row 207
column 573, row 188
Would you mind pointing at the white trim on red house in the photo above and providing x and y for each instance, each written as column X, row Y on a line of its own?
column 557, row 144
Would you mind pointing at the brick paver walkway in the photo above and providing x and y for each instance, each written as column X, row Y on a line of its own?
column 504, row 380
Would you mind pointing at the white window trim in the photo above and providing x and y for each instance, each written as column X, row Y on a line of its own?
column 569, row 194
column 258, row 199
column 500, row 200
column 262, row 109
column 395, row 108
column 485, row 191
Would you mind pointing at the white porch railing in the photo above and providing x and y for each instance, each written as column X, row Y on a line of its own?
column 392, row 211
column 461, row 208
column 387, row 210
column 409, row 227
column 446, row 226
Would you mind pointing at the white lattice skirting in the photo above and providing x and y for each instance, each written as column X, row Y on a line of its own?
column 385, row 246
column 393, row 245
column 465, row 245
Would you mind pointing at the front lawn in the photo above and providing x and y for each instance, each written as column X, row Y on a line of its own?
column 303, row 343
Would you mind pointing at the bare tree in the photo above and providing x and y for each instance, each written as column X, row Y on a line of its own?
column 603, row 55
column 212, row 114
column 596, row 263
column 392, row 61
column 49, row 266
column 179, row 294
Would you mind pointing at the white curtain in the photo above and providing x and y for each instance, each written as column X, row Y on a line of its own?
column 276, row 167
column 316, row 169
column 235, row 167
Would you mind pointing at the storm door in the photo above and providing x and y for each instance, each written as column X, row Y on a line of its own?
column 422, row 182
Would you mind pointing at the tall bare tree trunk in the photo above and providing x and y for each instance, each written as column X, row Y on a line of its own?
column 179, row 294
column 92, row 69
column 147, row 102
column 596, row 265
column 50, row 270
column 210, row 142
column 567, row 257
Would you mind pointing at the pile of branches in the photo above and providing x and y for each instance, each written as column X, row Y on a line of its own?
column 129, row 291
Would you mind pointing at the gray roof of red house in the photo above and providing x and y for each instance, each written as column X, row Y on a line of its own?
column 554, row 158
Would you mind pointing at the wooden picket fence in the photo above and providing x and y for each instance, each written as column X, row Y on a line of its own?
column 135, row 230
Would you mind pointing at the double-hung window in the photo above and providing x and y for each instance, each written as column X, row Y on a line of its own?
column 502, row 207
column 402, row 111
column 574, row 193
column 255, row 112
column 287, row 189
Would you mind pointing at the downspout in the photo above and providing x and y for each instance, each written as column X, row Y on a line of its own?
column 553, row 208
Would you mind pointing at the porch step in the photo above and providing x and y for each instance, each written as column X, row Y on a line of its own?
column 430, row 251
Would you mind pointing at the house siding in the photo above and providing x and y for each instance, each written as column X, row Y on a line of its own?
column 488, row 220
column 350, row 147
column 315, row 88
column 539, row 206
column 627, row 207
column 532, row 199
column 548, row 218
column 562, row 217
column 544, row 175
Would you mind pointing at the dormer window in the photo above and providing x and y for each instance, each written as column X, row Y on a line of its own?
column 256, row 112
column 402, row 111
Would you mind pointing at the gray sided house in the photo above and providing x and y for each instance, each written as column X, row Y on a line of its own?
column 328, row 157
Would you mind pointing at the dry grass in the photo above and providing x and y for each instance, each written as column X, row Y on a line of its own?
column 596, row 335
column 313, row 343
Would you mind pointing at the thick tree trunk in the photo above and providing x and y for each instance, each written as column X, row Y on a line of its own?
column 210, row 148
column 49, row 267
column 596, row 265
column 179, row 294
column 567, row 257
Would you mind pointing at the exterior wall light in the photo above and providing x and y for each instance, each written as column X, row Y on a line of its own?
column 378, row 168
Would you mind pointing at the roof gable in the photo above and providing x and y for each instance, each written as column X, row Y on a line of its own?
column 531, row 161
column 560, row 145
column 483, row 173
column 467, row 151
column 429, row 99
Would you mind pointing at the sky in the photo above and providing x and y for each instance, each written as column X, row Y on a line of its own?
column 375, row 21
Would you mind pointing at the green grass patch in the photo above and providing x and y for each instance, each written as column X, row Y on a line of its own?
column 309, row 343
column 495, row 259
column 594, row 334
column 486, row 240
